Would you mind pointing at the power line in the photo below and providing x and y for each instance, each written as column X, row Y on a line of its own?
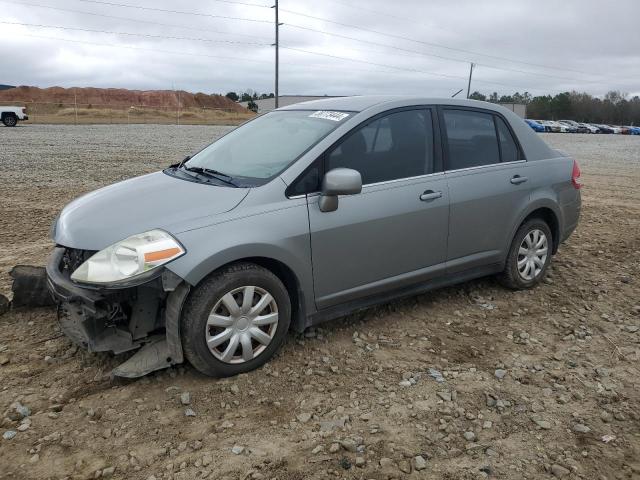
column 129, row 47
column 383, row 45
column 394, row 67
column 416, row 52
column 431, row 44
column 173, row 52
column 303, row 28
column 233, row 2
column 145, row 35
column 297, row 27
column 377, row 12
column 241, row 59
column 387, row 69
column 115, row 17
column 180, row 12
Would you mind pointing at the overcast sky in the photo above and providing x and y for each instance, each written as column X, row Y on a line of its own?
column 418, row 47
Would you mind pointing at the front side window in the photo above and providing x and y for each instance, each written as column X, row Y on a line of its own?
column 398, row 145
column 265, row 146
column 471, row 139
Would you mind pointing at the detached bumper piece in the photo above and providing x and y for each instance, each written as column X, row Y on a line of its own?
column 155, row 355
column 119, row 320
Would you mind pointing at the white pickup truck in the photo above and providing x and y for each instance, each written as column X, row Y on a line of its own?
column 10, row 115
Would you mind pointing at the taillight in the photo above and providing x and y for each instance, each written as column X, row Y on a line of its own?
column 575, row 176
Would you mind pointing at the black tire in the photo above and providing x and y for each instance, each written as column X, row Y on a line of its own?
column 511, row 276
column 10, row 120
column 205, row 297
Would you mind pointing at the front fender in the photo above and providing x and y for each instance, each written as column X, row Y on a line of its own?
column 281, row 234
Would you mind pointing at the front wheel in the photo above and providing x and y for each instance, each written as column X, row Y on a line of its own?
column 529, row 256
column 235, row 320
column 10, row 120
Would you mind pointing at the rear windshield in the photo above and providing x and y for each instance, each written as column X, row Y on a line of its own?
column 265, row 146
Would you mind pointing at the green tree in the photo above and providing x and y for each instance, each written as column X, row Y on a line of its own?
column 561, row 106
column 232, row 96
column 253, row 106
column 478, row 96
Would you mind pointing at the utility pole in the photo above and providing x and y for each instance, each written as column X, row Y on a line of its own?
column 276, row 45
column 75, row 103
column 469, row 84
column 178, row 118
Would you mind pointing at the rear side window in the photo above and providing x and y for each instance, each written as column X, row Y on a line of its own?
column 508, row 147
column 398, row 145
column 471, row 139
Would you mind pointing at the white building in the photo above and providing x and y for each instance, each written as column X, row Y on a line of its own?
column 268, row 104
column 519, row 109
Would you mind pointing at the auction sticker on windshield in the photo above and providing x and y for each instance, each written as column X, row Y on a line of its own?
column 335, row 116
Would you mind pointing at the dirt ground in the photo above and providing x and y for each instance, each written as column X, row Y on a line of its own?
column 537, row 384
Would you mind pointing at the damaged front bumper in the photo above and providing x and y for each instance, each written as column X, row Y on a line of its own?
column 144, row 316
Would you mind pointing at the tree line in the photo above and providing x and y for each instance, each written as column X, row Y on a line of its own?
column 615, row 108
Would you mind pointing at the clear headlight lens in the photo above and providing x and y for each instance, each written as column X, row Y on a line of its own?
column 129, row 258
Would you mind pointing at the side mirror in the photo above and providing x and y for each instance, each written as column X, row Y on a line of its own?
column 339, row 181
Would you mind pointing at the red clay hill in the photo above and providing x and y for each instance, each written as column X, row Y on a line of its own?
column 117, row 97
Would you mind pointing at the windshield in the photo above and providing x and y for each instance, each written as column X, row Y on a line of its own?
column 265, row 146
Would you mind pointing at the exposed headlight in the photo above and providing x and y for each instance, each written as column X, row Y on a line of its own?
column 129, row 258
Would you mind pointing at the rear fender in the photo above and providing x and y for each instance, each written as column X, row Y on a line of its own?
column 538, row 204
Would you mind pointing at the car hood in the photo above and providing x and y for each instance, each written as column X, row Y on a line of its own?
column 102, row 217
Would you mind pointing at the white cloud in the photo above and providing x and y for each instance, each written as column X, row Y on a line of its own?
column 593, row 46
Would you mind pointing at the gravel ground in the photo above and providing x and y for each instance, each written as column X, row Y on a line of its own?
column 467, row 382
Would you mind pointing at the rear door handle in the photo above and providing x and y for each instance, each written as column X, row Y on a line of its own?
column 430, row 195
column 517, row 179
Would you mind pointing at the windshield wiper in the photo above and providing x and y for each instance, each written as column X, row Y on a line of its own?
column 186, row 159
column 210, row 172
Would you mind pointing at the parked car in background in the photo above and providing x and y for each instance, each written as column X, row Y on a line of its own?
column 614, row 129
column 604, row 128
column 550, row 126
column 535, row 125
column 590, row 128
column 624, row 130
column 562, row 128
column 11, row 115
column 305, row 214
column 575, row 126
column 570, row 128
column 633, row 130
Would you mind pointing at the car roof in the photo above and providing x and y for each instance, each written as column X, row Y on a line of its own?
column 362, row 103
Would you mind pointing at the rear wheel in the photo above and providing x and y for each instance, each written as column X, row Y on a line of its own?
column 529, row 256
column 235, row 320
column 10, row 120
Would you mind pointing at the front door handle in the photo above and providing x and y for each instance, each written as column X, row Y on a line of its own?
column 517, row 179
column 430, row 195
